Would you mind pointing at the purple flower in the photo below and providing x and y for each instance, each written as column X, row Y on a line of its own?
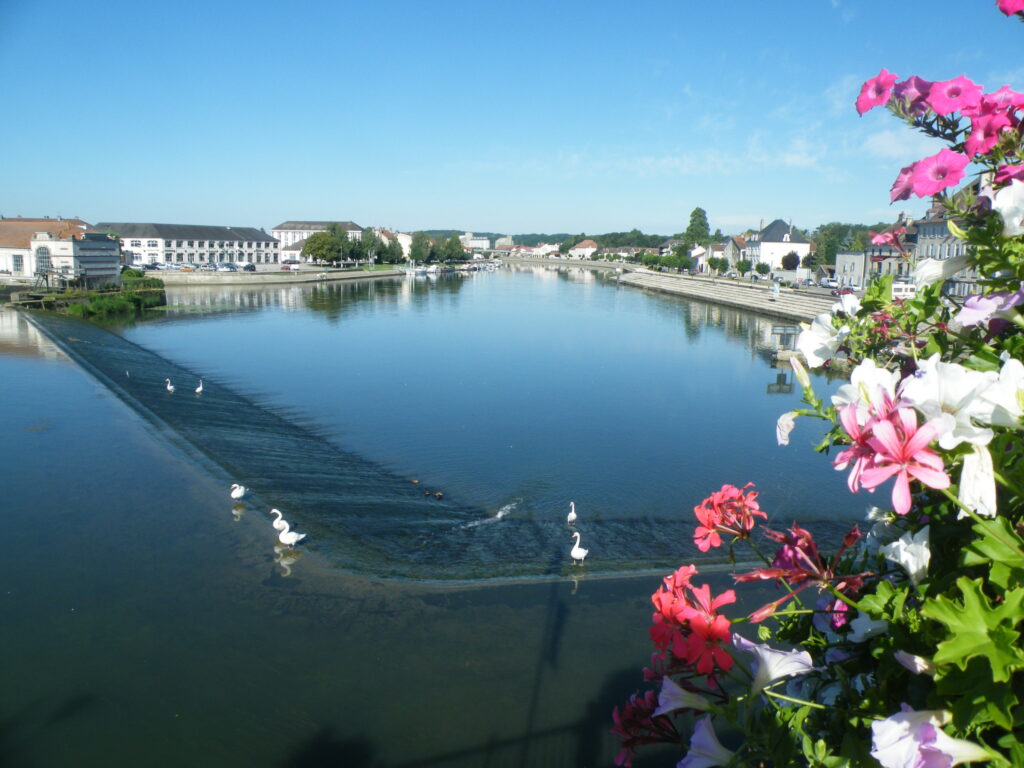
column 915, row 740
column 913, row 91
column 705, row 749
column 979, row 309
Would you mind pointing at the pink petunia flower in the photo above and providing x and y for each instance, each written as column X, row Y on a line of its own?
column 890, row 238
column 904, row 184
column 914, row 92
column 954, row 95
column 933, row 174
column 875, row 92
column 1007, row 173
column 1010, row 7
column 1005, row 97
column 985, row 131
column 901, row 450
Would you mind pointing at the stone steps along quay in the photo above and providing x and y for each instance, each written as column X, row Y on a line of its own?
column 789, row 304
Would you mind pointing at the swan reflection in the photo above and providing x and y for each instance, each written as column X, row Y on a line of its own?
column 285, row 557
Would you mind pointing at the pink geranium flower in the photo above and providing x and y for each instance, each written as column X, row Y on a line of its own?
column 904, row 184
column 913, row 91
column 901, row 450
column 933, row 174
column 875, row 91
column 1010, row 7
column 730, row 511
column 985, row 132
column 954, row 95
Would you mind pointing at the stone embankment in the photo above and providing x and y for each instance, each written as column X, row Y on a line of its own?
column 758, row 297
column 173, row 277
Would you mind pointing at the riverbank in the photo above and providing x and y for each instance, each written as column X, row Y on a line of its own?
column 758, row 296
column 312, row 275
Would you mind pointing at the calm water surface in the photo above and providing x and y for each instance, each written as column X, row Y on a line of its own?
column 149, row 623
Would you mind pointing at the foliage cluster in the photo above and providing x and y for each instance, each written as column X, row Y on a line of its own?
column 900, row 648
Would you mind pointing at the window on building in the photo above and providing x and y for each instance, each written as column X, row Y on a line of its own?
column 136, row 243
column 17, row 263
column 191, row 243
column 179, row 243
column 153, row 244
column 43, row 259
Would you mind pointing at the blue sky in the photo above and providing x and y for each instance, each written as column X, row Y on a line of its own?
column 513, row 117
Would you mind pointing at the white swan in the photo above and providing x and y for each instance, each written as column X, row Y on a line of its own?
column 572, row 513
column 280, row 524
column 199, row 389
column 170, row 387
column 290, row 538
column 238, row 491
column 577, row 552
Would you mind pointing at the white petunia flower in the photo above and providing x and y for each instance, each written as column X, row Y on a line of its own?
column 910, row 739
column 784, row 426
column 819, row 341
column 1009, row 202
column 954, row 394
column 978, row 483
column 864, row 627
column 930, row 270
column 1004, row 397
column 672, row 697
column 912, row 553
column 869, row 385
column 773, row 664
column 916, row 664
column 800, row 372
column 848, row 304
column 706, row 750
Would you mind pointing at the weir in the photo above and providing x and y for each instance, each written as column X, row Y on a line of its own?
column 359, row 516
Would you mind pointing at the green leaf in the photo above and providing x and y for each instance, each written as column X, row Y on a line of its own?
column 999, row 544
column 976, row 629
column 976, row 699
column 954, row 230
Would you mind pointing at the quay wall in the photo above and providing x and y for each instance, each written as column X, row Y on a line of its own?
column 758, row 296
column 271, row 278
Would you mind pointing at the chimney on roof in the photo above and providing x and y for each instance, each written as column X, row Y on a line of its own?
column 791, row 226
column 761, row 228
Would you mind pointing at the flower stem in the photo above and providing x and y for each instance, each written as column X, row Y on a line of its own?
column 784, row 697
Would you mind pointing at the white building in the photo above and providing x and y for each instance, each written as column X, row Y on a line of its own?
column 583, row 250
column 774, row 241
column 16, row 254
column 143, row 243
column 473, row 243
column 92, row 259
column 291, row 232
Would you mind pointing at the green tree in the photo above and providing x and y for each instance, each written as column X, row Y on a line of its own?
column 808, row 261
column 453, row 250
column 858, row 242
column 743, row 266
column 682, row 257
column 420, row 250
column 761, row 268
column 790, row 261
column 321, row 245
column 699, row 231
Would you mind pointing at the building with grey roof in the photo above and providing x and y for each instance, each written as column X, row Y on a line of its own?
column 291, row 232
column 191, row 243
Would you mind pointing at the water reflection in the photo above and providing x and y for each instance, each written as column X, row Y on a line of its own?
column 21, row 338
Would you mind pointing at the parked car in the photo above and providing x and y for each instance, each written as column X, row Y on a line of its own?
column 290, row 261
column 842, row 291
column 207, row 267
column 828, row 282
column 187, row 268
column 227, row 268
column 248, row 267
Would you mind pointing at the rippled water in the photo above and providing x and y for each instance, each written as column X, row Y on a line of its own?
column 149, row 623
column 511, row 393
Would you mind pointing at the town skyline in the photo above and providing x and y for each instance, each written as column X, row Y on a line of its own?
column 588, row 118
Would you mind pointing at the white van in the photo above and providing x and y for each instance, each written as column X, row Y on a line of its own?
column 903, row 290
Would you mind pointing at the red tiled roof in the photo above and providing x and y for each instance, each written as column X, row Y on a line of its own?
column 17, row 233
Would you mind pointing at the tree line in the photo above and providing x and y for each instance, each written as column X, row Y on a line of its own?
column 335, row 245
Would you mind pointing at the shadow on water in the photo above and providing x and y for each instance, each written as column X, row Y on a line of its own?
column 35, row 723
column 325, row 750
column 360, row 516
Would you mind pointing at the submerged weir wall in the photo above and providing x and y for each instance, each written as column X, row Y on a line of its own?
column 359, row 516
